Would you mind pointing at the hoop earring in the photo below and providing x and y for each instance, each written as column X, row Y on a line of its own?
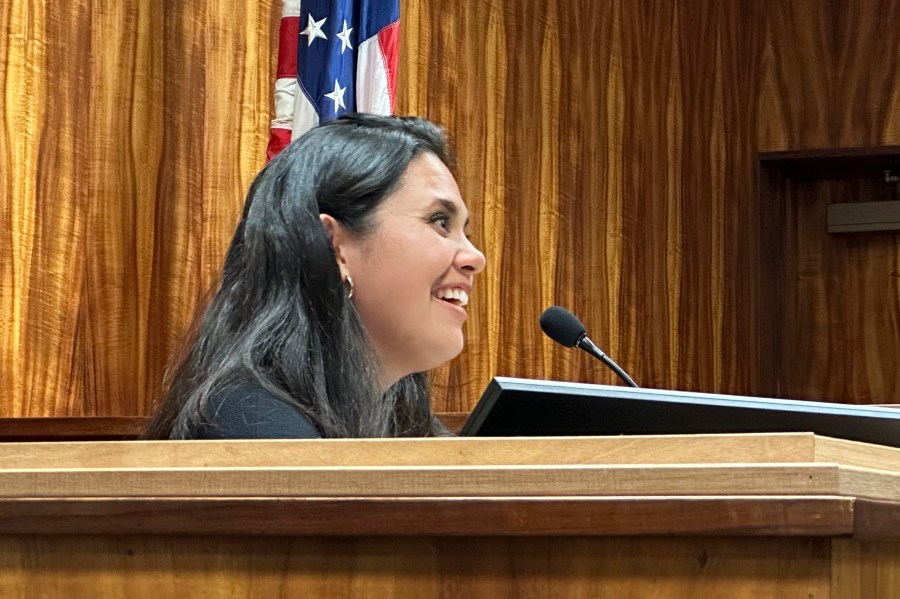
column 348, row 286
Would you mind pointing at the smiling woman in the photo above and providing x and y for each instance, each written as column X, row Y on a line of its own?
column 411, row 274
column 347, row 278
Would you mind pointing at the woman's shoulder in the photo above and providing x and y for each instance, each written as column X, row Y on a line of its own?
column 247, row 410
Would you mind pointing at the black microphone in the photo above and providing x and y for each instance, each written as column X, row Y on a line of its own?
column 564, row 327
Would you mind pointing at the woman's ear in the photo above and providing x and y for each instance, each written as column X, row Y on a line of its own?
column 329, row 223
column 337, row 234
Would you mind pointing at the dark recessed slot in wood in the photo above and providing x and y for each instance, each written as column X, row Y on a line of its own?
column 829, row 315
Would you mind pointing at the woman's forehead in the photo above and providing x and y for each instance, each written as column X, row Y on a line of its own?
column 428, row 181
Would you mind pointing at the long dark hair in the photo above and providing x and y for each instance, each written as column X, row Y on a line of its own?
column 280, row 317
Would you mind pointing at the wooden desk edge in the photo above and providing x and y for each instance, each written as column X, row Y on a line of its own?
column 734, row 516
column 115, row 428
column 876, row 520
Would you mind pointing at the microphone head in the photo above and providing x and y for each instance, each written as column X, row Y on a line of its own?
column 562, row 326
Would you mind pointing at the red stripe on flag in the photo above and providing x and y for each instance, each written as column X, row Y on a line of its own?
column 289, row 32
column 389, row 42
column 278, row 140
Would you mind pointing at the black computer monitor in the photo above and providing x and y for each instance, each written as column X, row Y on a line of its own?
column 512, row 407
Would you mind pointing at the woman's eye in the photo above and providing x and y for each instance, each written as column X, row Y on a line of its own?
column 442, row 221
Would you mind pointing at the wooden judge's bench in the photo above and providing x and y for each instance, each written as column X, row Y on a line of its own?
column 753, row 515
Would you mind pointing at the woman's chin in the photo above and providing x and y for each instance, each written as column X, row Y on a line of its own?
column 448, row 352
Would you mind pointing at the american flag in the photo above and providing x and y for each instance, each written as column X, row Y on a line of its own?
column 334, row 56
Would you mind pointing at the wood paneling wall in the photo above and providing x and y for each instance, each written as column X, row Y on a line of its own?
column 829, row 76
column 619, row 172
column 840, row 334
column 607, row 151
column 830, row 81
column 130, row 133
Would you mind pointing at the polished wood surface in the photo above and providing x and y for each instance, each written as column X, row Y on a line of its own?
column 749, row 516
column 773, row 544
column 607, row 151
column 72, row 428
column 103, row 428
column 131, row 131
column 178, row 566
column 829, row 313
column 684, row 450
column 223, row 534
column 714, row 484
column 865, row 570
column 458, row 481
column 828, row 75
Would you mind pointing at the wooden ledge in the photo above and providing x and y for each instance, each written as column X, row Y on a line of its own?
column 801, row 485
column 115, row 428
column 72, row 428
column 445, row 516
column 876, row 520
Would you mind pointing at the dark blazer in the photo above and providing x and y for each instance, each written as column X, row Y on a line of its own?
column 247, row 411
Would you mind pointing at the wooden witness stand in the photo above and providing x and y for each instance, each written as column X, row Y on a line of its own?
column 756, row 515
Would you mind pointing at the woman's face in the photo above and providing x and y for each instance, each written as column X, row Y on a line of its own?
column 413, row 273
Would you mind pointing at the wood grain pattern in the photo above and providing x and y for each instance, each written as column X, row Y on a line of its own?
column 136, row 127
column 864, row 569
column 658, row 131
column 830, row 314
column 833, row 304
column 453, row 486
column 453, row 481
column 606, row 150
column 72, row 428
column 853, row 453
column 449, row 451
column 875, row 520
column 640, row 146
column 154, row 566
column 844, row 293
column 449, row 516
column 829, row 75
column 401, row 545
column 646, row 451
column 716, row 465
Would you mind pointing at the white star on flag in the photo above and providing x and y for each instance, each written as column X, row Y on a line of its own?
column 337, row 96
column 351, row 67
column 344, row 36
column 313, row 30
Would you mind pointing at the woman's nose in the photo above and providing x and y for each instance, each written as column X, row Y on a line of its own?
column 470, row 259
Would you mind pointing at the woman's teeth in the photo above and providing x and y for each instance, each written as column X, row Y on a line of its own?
column 455, row 296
